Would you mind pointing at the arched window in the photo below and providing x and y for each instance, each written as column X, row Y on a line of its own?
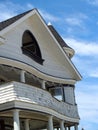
column 30, row 47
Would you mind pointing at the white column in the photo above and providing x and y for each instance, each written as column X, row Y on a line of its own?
column 22, row 76
column 27, row 124
column 16, row 120
column 50, row 123
column 43, row 84
column 62, row 125
column 76, row 126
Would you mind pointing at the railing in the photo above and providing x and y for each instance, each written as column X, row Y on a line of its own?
column 23, row 92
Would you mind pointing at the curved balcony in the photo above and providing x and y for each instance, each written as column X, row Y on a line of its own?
column 26, row 93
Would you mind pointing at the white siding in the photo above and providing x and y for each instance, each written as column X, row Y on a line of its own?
column 54, row 63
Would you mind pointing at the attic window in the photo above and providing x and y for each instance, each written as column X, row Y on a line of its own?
column 30, row 47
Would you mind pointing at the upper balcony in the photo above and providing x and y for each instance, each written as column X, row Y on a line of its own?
column 16, row 91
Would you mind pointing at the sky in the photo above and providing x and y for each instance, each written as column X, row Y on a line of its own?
column 77, row 23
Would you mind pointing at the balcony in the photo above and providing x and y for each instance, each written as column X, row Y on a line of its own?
column 15, row 91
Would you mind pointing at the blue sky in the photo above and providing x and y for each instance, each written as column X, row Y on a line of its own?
column 77, row 23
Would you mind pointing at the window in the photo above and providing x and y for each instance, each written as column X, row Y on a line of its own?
column 30, row 47
column 57, row 93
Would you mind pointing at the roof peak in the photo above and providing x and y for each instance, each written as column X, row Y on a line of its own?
column 11, row 20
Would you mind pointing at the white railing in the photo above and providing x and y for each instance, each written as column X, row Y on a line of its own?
column 18, row 91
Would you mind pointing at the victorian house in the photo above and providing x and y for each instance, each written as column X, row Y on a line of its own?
column 37, row 76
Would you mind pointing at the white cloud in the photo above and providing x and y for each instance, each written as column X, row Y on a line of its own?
column 86, row 95
column 83, row 48
column 73, row 21
column 94, row 72
column 76, row 19
column 48, row 17
column 17, row 8
column 86, row 57
column 10, row 9
column 93, row 2
column 6, row 12
column 30, row 6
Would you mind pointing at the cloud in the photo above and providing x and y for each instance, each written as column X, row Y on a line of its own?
column 88, row 67
column 76, row 19
column 30, row 6
column 93, row 2
column 87, row 96
column 83, row 48
column 76, row 24
column 48, row 17
column 94, row 72
column 6, row 12
column 17, row 8
column 86, row 57
column 13, row 10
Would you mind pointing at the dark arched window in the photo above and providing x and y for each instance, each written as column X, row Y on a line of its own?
column 30, row 47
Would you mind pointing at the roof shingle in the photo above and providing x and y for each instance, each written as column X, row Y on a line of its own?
column 58, row 37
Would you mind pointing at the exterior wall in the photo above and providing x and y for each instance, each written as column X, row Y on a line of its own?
column 53, row 64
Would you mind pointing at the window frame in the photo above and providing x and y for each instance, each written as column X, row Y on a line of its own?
column 32, row 43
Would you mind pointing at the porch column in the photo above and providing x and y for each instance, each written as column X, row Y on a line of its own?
column 69, row 128
column 16, row 122
column 27, row 124
column 62, row 125
column 22, row 76
column 65, row 127
column 76, row 127
column 50, row 123
column 43, row 84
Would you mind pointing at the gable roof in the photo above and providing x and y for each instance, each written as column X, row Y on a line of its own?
column 9, row 21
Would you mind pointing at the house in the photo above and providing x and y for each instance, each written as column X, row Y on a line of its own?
column 37, row 76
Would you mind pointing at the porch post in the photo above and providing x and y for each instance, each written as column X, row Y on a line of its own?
column 43, row 84
column 50, row 123
column 76, row 127
column 62, row 125
column 22, row 76
column 16, row 122
column 68, row 127
column 27, row 124
column 65, row 127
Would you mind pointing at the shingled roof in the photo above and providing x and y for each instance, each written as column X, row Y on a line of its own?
column 58, row 37
column 9, row 21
